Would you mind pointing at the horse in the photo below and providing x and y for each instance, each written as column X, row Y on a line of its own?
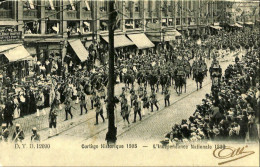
column 152, row 79
column 180, row 81
column 164, row 80
column 199, row 76
column 129, row 79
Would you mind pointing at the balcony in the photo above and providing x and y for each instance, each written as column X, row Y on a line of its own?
column 30, row 14
column 5, row 14
column 86, row 15
column 71, row 14
column 52, row 14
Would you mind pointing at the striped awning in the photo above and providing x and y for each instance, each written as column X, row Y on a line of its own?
column 141, row 41
column 119, row 41
column 79, row 49
column 15, row 52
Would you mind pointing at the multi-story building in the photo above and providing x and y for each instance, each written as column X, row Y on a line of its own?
column 46, row 26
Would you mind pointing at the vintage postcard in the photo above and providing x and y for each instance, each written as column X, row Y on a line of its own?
column 129, row 83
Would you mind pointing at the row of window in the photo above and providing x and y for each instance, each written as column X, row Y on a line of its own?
column 74, row 27
column 130, row 5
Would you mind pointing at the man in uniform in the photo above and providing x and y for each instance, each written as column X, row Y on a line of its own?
column 35, row 136
column 133, row 97
column 18, row 135
column 83, row 103
column 92, row 98
column 68, row 108
column 4, row 133
column 137, row 108
column 154, row 100
column 53, row 117
column 99, row 110
column 166, row 97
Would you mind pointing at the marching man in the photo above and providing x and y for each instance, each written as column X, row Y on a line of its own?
column 53, row 118
column 137, row 108
column 99, row 110
column 166, row 97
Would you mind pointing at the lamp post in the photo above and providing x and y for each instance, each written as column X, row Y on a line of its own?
column 112, row 131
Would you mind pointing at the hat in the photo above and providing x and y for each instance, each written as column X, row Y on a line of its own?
column 3, row 124
column 17, row 125
column 34, row 128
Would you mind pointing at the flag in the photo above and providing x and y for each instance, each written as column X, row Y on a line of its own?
column 72, row 5
column 87, row 5
column 51, row 4
column 31, row 4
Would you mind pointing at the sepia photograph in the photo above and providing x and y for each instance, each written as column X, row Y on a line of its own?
column 129, row 83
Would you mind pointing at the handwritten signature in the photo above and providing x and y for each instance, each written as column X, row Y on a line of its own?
column 231, row 153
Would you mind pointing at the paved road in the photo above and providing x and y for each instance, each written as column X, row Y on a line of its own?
column 154, row 125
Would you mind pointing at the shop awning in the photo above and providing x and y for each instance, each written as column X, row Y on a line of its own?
column 171, row 34
column 216, row 27
column 119, row 41
column 141, row 41
column 15, row 52
column 8, row 23
column 79, row 49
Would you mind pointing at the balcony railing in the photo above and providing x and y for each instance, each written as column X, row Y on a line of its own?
column 87, row 15
column 72, row 14
column 5, row 13
column 52, row 14
column 30, row 14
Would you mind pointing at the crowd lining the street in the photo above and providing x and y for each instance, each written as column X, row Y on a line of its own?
column 56, row 82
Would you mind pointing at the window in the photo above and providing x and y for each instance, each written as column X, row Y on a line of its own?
column 103, row 5
column 170, row 22
column 72, row 5
column 127, row 6
column 154, row 6
column 51, row 4
column 87, row 26
column 136, row 5
column 148, row 21
column 189, row 21
column 32, row 27
column 184, row 21
column 178, row 21
column 178, row 6
column 73, row 27
column 29, row 4
column 138, row 24
column 7, row 5
column 53, row 27
column 164, row 23
column 129, row 24
column 147, row 6
column 155, row 21
column 103, row 25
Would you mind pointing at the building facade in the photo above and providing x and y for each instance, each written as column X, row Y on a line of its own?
column 45, row 26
